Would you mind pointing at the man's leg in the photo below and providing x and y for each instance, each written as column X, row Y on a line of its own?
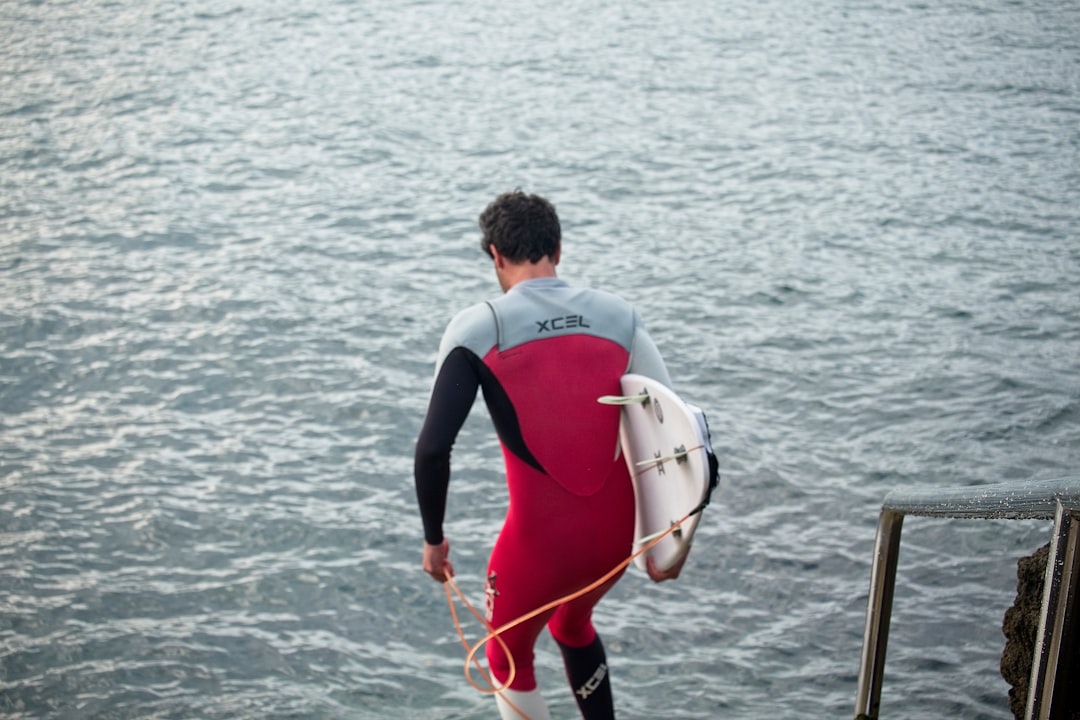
column 587, row 671
column 521, row 705
column 584, row 656
column 511, row 592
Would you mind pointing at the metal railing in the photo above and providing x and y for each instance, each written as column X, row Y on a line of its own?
column 1057, row 499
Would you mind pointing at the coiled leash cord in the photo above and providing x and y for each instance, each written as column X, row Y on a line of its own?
column 452, row 589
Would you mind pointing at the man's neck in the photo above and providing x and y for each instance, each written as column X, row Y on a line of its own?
column 510, row 274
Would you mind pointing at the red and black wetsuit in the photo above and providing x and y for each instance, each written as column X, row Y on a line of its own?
column 542, row 353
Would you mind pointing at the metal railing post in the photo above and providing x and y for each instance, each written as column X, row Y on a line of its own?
column 878, row 610
column 1056, row 641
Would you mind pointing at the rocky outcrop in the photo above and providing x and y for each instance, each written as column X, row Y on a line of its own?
column 1021, row 626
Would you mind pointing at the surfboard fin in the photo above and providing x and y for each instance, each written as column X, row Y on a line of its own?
column 641, row 399
column 679, row 454
column 677, row 532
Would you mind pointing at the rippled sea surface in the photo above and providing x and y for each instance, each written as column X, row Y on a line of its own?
column 231, row 235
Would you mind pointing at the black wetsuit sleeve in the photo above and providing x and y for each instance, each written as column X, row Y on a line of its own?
column 452, row 398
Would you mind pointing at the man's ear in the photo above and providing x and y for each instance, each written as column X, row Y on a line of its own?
column 499, row 258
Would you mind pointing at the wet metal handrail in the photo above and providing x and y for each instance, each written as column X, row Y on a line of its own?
column 1058, row 499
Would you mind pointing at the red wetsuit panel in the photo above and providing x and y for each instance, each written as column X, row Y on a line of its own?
column 553, row 385
column 568, row 526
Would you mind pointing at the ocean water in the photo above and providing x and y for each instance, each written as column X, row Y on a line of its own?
column 231, row 235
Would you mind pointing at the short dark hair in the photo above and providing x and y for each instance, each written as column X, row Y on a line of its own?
column 522, row 227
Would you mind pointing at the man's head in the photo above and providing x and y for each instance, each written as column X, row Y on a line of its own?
column 522, row 228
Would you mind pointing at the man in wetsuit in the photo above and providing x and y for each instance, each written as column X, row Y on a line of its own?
column 542, row 353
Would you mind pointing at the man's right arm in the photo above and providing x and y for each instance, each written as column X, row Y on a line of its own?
column 645, row 358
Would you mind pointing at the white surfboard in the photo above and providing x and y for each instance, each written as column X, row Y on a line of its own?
column 666, row 445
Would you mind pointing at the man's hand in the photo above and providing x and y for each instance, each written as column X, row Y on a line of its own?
column 658, row 575
column 436, row 561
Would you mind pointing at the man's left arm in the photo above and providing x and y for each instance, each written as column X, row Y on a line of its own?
column 452, row 398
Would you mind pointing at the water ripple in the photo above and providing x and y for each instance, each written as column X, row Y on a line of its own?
column 230, row 238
